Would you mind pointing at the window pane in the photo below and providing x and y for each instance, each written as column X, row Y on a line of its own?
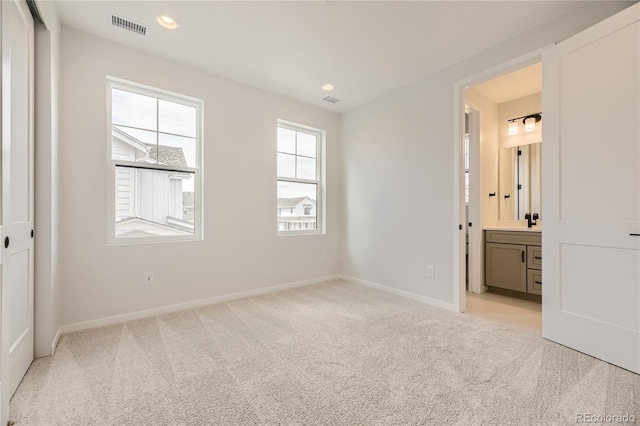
column 286, row 140
column 466, row 187
column 286, row 165
column 306, row 168
column 131, row 109
column 175, row 151
column 154, row 203
column 296, row 206
column 177, row 119
column 132, row 144
column 306, row 145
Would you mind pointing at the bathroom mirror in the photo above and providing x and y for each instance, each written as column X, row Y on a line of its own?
column 520, row 187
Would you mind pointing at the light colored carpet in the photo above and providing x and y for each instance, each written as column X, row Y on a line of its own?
column 333, row 353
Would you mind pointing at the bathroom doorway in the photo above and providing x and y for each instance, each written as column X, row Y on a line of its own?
column 501, row 167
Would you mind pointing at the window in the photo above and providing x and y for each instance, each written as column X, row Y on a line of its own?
column 466, row 157
column 300, row 186
column 155, row 141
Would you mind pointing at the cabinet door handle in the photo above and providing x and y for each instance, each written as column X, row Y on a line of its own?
column 537, row 257
column 523, row 257
column 635, row 235
column 538, row 282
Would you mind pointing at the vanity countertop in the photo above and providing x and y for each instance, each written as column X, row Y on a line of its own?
column 514, row 228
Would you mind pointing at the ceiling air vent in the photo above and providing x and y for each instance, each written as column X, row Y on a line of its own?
column 128, row 25
column 330, row 99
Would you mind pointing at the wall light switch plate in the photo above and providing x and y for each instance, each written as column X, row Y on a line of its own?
column 431, row 271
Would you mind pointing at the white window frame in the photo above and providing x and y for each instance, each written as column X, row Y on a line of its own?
column 319, row 181
column 198, row 104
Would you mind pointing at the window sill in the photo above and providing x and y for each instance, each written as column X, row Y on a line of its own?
column 158, row 240
column 299, row 233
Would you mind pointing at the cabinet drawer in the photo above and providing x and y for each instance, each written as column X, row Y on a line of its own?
column 534, row 257
column 506, row 266
column 513, row 237
column 534, row 281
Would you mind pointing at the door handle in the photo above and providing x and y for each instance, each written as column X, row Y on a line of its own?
column 538, row 282
column 635, row 235
column 32, row 233
column 523, row 257
column 537, row 257
column 6, row 242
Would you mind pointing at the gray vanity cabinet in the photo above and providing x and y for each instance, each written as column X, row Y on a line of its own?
column 506, row 266
column 513, row 261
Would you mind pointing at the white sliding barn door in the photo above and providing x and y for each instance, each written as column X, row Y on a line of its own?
column 591, row 187
column 16, row 243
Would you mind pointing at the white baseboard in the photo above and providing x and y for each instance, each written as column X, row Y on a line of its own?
column 117, row 319
column 424, row 299
column 56, row 339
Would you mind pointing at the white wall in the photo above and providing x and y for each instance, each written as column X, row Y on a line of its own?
column 398, row 161
column 48, row 291
column 241, row 250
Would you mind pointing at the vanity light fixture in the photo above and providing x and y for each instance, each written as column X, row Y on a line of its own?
column 529, row 122
column 167, row 22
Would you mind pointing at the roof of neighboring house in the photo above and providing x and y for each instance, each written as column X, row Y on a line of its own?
column 128, row 139
column 170, row 155
column 292, row 202
column 173, row 155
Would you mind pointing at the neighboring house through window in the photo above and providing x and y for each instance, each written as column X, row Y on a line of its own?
column 300, row 189
column 155, row 161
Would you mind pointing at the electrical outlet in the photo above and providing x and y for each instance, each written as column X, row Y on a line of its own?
column 324, row 256
column 148, row 278
column 431, row 271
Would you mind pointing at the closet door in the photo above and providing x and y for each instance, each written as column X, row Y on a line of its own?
column 16, row 218
column 591, row 187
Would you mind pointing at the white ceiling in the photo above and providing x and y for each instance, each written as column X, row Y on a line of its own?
column 366, row 49
column 523, row 82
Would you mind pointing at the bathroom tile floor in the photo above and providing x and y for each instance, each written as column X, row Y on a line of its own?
column 496, row 307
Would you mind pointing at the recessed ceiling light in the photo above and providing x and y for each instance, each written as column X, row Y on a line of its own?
column 167, row 22
column 327, row 87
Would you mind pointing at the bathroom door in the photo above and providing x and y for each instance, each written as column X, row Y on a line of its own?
column 591, row 187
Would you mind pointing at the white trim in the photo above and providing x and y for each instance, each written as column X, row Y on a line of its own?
column 459, row 282
column 56, row 340
column 118, row 319
column 417, row 297
column 153, row 92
